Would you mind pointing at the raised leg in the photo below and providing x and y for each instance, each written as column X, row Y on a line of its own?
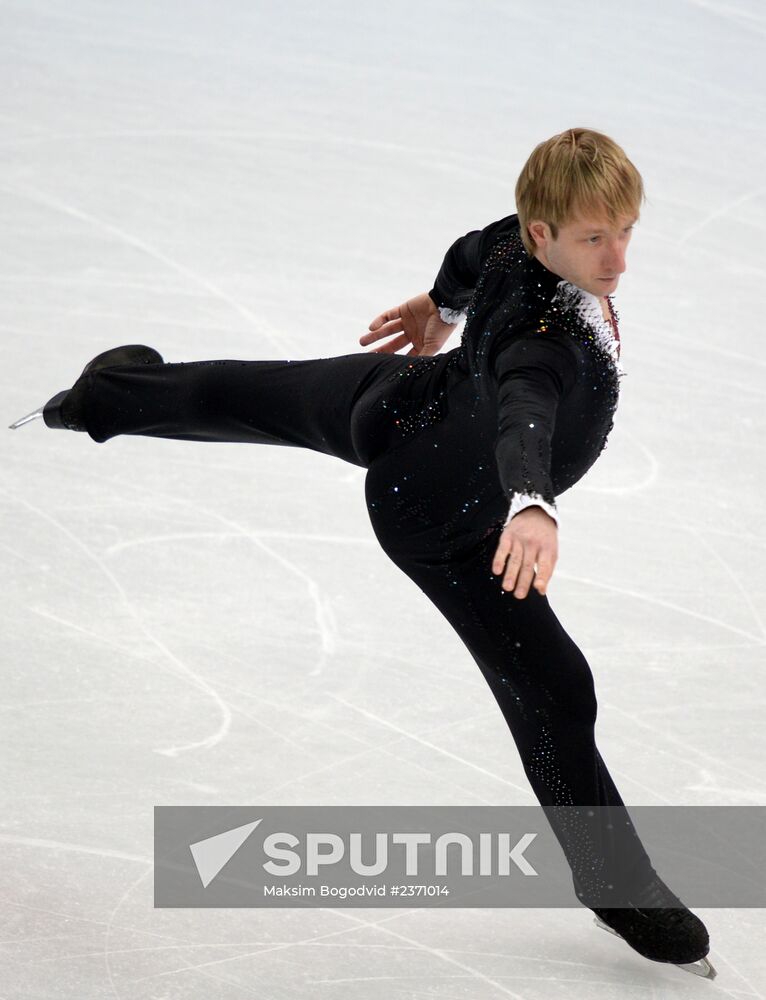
column 304, row 404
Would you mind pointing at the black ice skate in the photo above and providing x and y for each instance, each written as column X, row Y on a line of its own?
column 660, row 927
column 63, row 410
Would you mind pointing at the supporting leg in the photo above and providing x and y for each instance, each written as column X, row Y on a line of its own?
column 421, row 509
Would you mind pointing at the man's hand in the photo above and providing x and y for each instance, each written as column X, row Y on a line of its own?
column 529, row 538
column 417, row 321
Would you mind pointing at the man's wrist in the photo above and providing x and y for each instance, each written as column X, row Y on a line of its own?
column 523, row 500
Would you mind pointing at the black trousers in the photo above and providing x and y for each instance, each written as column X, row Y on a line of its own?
column 437, row 508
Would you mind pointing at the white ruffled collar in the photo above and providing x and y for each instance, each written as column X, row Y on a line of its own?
column 588, row 308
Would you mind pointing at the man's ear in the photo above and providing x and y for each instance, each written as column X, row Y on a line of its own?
column 539, row 232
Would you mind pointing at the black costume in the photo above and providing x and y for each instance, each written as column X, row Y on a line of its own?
column 516, row 414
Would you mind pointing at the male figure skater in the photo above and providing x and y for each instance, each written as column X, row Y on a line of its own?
column 466, row 452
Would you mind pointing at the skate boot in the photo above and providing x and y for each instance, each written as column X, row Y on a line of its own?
column 64, row 411
column 660, row 927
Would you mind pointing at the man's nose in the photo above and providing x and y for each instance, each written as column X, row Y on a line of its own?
column 616, row 261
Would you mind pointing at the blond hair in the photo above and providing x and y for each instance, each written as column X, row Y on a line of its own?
column 576, row 173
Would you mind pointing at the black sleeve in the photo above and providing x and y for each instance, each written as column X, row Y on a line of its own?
column 457, row 277
column 533, row 373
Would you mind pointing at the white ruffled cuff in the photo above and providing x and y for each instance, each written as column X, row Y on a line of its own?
column 451, row 315
column 522, row 500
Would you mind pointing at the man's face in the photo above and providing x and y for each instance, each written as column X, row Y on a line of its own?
column 589, row 252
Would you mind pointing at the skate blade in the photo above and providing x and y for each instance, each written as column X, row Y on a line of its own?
column 702, row 967
column 25, row 420
column 605, row 927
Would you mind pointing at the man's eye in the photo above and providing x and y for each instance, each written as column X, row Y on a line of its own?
column 590, row 239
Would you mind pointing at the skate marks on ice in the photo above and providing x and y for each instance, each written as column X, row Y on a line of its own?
column 323, row 615
column 173, row 663
column 279, row 340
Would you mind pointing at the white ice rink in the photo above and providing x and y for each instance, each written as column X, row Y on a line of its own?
column 196, row 624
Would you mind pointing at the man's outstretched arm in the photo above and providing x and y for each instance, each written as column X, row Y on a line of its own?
column 427, row 320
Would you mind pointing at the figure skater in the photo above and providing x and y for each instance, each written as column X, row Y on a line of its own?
column 466, row 452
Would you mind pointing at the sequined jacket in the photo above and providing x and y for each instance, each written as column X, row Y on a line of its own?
column 540, row 348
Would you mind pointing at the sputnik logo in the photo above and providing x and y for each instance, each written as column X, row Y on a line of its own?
column 212, row 854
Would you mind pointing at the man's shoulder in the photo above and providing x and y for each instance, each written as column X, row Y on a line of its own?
column 498, row 232
column 500, row 229
column 544, row 345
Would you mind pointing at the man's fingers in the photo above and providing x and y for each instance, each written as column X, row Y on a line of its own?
column 392, row 326
column 525, row 576
column 385, row 317
column 517, row 564
column 392, row 346
column 525, row 552
column 515, row 559
column 545, row 565
column 501, row 553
